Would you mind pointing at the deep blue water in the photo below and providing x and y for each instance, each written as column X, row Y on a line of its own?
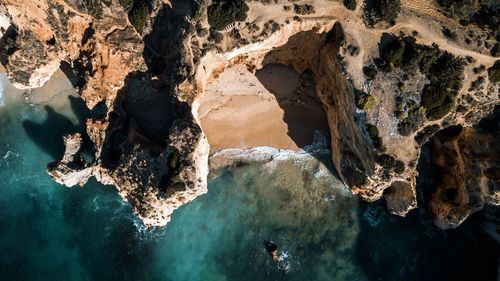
column 50, row 232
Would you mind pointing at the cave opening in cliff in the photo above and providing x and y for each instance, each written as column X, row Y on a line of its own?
column 275, row 106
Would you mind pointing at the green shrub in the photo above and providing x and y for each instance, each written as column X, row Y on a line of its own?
column 482, row 12
column 224, row 12
column 350, row 4
column 437, row 102
column 444, row 71
column 399, row 167
column 412, row 122
column 495, row 50
column 127, row 4
column 374, row 136
column 138, row 15
column 476, row 84
column 303, row 9
column 494, row 72
column 392, row 164
column 449, row 33
column 137, row 11
column 370, row 71
column 393, row 51
column 365, row 102
column 426, row 133
column 447, row 72
column 381, row 10
column 405, row 53
column 446, row 76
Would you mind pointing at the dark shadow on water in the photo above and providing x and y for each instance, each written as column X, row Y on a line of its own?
column 105, row 235
column 48, row 135
column 412, row 248
column 392, row 248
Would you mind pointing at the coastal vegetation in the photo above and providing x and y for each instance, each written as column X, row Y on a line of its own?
column 481, row 12
column 350, row 4
column 376, row 11
column 303, row 9
column 365, row 101
column 94, row 7
column 370, row 71
column 443, row 70
column 374, row 136
column 222, row 13
column 494, row 72
column 138, row 12
column 391, row 164
column 426, row 133
column 414, row 119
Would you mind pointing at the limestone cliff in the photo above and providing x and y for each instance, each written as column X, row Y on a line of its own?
column 156, row 165
column 143, row 66
column 466, row 173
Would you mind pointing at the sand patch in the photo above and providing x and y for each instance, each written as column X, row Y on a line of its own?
column 275, row 107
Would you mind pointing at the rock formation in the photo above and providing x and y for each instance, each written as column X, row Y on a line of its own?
column 143, row 67
column 465, row 161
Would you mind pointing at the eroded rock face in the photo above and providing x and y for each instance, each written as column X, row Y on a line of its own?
column 466, row 161
column 147, row 143
column 142, row 90
column 72, row 169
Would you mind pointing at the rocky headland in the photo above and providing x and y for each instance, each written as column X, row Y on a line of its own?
column 170, row 82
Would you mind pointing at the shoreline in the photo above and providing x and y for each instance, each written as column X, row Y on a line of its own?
column 271, row 107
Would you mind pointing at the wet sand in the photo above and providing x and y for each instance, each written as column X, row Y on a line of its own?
column 54, row 94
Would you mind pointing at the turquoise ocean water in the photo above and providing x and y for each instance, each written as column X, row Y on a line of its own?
column 50, row 232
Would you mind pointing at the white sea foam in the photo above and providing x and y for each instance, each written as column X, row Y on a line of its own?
column 3, row 85
column 4, row 21
column 266, row 153
column 8, row 155
column 284, row 262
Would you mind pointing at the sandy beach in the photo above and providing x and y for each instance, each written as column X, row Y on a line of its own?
column 275, row 107
column 54, row 93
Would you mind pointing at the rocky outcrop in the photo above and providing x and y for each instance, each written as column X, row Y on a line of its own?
column 466, row 164
column 142, row 89
column 72, row 169
column 147, row 143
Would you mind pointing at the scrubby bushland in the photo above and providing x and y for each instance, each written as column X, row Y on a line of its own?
column 127, row 4
column 224, row 12
column 374, row 136
column 446, row 76
column 303, row 9
column 405, row 53
column 370, row 71
column 494, row 72
column 482, row 12
column 376, row 11
column 449, row 33
column 138, row 15
column 442, row 69
column 413, row 120
column 138, row 12
column 425, row 134
column 365, row 101
column 476, row 84
column 94, row 7
column 392, row 164
column 495, row 50
column 350, row 4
